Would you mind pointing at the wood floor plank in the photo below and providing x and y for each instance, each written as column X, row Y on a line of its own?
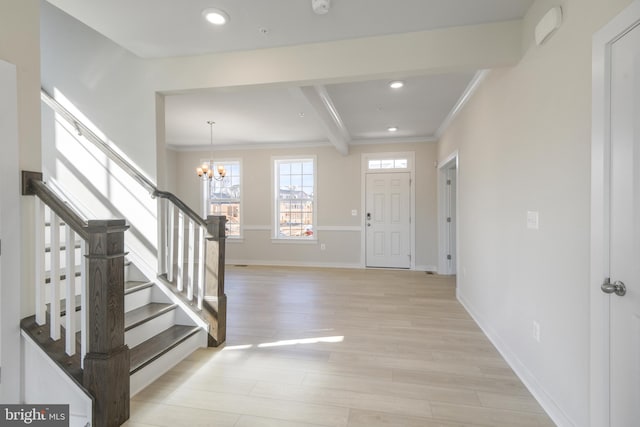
column 413, row 391
column 249, row 421
column 380, row 419
column 310, row 347
column 488, row 417
column 369, row 400
column 164, row 415
column 287, row 410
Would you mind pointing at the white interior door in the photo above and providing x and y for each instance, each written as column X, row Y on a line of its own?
column 388, row 220
column 625, row 230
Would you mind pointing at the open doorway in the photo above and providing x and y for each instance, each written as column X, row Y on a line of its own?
column 448, row 215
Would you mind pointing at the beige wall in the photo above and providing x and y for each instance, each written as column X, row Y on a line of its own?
column 338, row 192
column 19, row 46
column 524, row 145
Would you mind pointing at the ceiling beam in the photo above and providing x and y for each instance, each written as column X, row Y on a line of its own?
column 439, row 51
column 320, row 102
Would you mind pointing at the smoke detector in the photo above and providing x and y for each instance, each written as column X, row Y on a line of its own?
column 320, row 7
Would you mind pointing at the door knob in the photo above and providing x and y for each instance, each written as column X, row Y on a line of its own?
column 617, row 287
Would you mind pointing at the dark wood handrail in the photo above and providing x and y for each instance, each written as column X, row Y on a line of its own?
column 32, row 185
column 181, row 205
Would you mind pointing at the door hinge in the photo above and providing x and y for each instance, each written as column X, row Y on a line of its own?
column 449, row 219
column 449, row 257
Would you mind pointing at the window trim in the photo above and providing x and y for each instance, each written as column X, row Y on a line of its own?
column 275, row 211
column 204, row 193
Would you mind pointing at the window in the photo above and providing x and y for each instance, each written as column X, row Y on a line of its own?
column 295, row 198
column 388, row 164
column 224, row 196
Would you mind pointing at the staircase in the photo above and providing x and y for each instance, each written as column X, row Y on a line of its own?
column 104, row 327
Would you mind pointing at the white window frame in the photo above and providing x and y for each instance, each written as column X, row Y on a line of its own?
column 275, row 178
column 206, row 202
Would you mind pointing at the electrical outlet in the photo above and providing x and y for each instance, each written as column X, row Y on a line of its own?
column 354, row 212
column 536, row 331
column 323, row 246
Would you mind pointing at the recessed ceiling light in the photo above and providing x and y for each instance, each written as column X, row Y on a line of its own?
column 392, row 129
column 215, row 16
column 396, row 84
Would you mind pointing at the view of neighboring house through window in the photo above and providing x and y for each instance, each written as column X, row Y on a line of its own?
column 295, row 198
column 224, row 196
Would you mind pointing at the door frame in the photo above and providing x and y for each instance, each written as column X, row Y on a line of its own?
column 600, row 183
column 364, row 169
column 443, row 231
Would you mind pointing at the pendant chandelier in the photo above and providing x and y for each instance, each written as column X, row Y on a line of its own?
column 205, row 171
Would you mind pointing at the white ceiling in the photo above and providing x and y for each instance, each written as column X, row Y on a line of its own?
column 343, row 114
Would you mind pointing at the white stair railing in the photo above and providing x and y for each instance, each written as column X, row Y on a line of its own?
column 105, row 356
column 184, row 236
column 50, row 287
column 204, row 286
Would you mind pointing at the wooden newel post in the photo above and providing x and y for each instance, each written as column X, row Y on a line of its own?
column 106, row 365
column 215, row 300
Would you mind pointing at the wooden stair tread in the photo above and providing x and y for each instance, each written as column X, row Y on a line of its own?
column 145, row 313
column 134, row 286
column 150, row 350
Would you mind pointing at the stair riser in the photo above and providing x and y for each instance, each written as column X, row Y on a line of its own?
column 131, row 272
column 158, row 367
column 143, row 332
column 137, row 299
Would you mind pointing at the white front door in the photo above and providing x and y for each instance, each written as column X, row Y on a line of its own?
column 388, row 220
column 625, row 230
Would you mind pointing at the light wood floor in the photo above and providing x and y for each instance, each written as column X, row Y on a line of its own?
column 330, row 347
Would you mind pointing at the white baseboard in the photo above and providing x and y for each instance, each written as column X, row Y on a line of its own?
column 291, row 263
column 528, row 379
column 430, row 268
column 272, row 263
